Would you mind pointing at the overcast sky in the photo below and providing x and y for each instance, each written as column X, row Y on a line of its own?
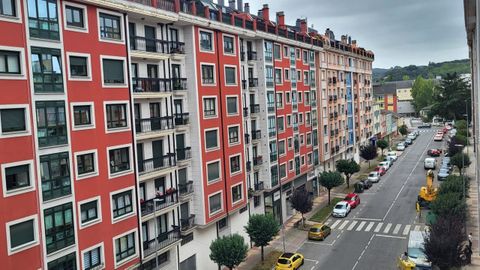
column 399, row 32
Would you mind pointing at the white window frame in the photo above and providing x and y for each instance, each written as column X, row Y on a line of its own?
column 308, row 134
column 28, row 129
column 216, row 107
column 126, row 260
column 26, row 246
column 242, row 191
column 205, row 139
column 219, row 171
column 89, row 67
column 225, row 75
column 290, row 169
column 125, row 79
column 134, row 205
column 102, row 254
column 238, row 107
column 285, row 77
column 19, row 191
column 281, row 75
column 122, row 30
column 286, row 170
column 285, row 146
column 116, row 102
column 214, row 74
column 115, row 175
column 239, row 136
column 99, row 212
column 21, row 51
column 200, row 41
column 85, row 17
column 221, row 203
column 234, row 45
column 92, row 115
column 230, row 164
column 91, row 174
column 283, row 121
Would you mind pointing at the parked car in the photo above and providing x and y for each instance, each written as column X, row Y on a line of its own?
column 385, row 164
column 319, row 232
column 341, row 209
column 388, row 159
column 446, row 166
column 417, row 132
column 438, row 138
column 443, row 174
column 393, row 155
column 434, row 152
column 381, row 170
column 374, row 177
column 366, row 183
column 400, row 146
column 429, row 163
column 408, row 141
column 425, row 125
column 352, row 199
column 412, row 136
column 289, row 261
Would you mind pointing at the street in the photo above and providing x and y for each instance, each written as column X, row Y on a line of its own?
column 375, row 233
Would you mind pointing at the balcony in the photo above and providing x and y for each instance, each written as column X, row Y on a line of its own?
column 253, row 82
column 332, row 132
column 251, row 56
column 163, row 241
column 257, row 161
column 156, row 164
column 258, row 186
column 254, row 108
column 272, row 133
column 161, row 201
column 179, row 84
column 187, row 224
column 151, row 85
column 182, row 119
column 184, row 153
column 155, row 124
column 185, row 189
column 148, row 45
column 271, row 107
column 273, row 156
column 176, row 47
column 256, row 134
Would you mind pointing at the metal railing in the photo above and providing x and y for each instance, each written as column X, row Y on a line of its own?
column 163, row 240
column 179, row 84
column 158, row 203
column 154, row 124
column 156, row 163
column 185, row 188
column 182, row 119
column 184, row 153
column 154, row 85
column 187, row 223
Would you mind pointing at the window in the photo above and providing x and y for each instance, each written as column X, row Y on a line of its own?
column 110, row 26
column 43, row 19
column 230, row 76
column 82, row 115
column 86, row 164
column 8, row 8
column 215, row 203
column 235, row 164
column 116, row 116
column 278, row 76
column 289, row 120
column 280, row 124
column 13, row 120
column 290, row 143
column 78, row 66
column 285, row 51
column 228, row 45
column 309, row 138
column 74, row 16
column 232, row 105
column 92, row 258
column 283, row 171
column 124, row 247
column 89, row 212
column 213, row 171
column 59, row 227
column 66, row 262
column 209, row 107
column 119, row 160
column 211, row 139
column 206, row 43
column 22, row 234
column 279, row 100
column 113, row 71
column 305, row 57
column 233, row 135
column 207, row 74
column 237, row 194
column 51, row 126
column 281, row 147
column 306, row 77
column 17, row 177
column 9, row 61
column 269, row 76
column 122, row 204
column 276, row 52
column 47, row 70
column 256, row 201
column 290, row 165
column 287, row 74
column 287, row 98
column 55, row 174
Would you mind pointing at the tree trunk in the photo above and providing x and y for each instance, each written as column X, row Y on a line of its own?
column 328, row 196
column 348, row 180
column 262, row 253
column 369, row 164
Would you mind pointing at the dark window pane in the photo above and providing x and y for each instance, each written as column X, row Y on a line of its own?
column 122, row 204
column 209, row 107
column 74, row 16
column 213, row 171
column 17, row 177
column 207, row 74
column 89, row 211
column 232, row 107
column 125, row 247
column 47, row 70
column 12, row 120
column 78, row 66
column 110, row 27
column 215, row 203
column 228, row 44
column 92, row 258
column 55, row 174
column 59, row 228
column 211, row 140
column 206, row 41
column 9, row 61
column 113, row 72
column 86, row 163
column 230, row 75
column 43, row 19
column 67, row 262
column 116, row 115
column 81, row 115
column 8, row 8
column 51, row 126
column 119, row 160
column 21, row 233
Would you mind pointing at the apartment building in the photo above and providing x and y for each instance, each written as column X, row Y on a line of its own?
column 148, row 128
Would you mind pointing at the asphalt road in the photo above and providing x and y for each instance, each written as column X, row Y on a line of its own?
column 376, row 232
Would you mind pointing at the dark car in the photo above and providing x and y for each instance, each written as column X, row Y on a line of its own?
column 366, row 183
column 434, row 152
column 408, row 141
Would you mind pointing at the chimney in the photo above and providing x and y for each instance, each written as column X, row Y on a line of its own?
column 240, row 5
column 247, row 8
column 265, row 13
column 281, row 19
column 344, row 39
column 303, row 26
column 221, row 3
column 231, row 4
column 354, row 43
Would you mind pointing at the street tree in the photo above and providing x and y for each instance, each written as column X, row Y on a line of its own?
column 422, row 91
column 347, row 167
column 301, row 201
column 453, row 184
column 403, row 129
column 262, row 229
column 368, row 152
column 382, row 144
column 453, row 146
column 229, row 250
column 447, row 204
column 330, row 180
column 460, row 160
column 452, row 98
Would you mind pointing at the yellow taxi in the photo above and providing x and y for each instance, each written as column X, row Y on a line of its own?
column 319, row 232
column 289, row 261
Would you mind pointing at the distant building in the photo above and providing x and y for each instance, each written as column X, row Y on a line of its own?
column 395, row 97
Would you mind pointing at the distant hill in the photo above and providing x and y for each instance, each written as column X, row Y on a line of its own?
column 431, row 71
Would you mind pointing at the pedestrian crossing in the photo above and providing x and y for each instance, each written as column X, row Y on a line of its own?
column 374, row 226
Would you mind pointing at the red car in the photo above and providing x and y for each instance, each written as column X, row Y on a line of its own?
column 381, row 170
column 434, row 152
column 352, row 199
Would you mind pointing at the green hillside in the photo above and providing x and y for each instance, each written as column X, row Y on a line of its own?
column 430, row 71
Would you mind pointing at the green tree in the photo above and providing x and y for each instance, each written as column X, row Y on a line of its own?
column 330, row 180
column 453, row 147
column 461, row 124
column 453, row 184
column 406, row 77
column 403, row 130
column 449, row 204
column 229, row 250
column 422, row 91
column 451, row 98
column 460, row 160
column 262, row 229
column 368, row 152
column 301, row 201
column 347, row 167
column 460, row 139
column 382, row 144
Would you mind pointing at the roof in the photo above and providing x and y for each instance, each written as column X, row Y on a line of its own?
column 287, row 255
column 391, row 87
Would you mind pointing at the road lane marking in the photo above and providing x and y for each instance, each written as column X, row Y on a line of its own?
column 379, row 226
column 352, row 225
column 369, row 227
column 343, row 225
column 369, row 219
column 335, row 224
column 417, row 228
column 390, row 236
column 387, row 229
column 366, row 247
column 406, row 230
column 397, row 228
column 360, row 227
column 318, row 244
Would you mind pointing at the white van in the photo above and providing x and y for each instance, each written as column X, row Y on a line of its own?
column 429, row 163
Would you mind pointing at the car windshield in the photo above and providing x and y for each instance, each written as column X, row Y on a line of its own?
column 339, row 206
column 315, row 229
column 415, row 253
column 283, row 261
column 443, row 171
column 372, row 175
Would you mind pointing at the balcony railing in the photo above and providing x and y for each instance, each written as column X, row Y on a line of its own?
column 177, row 47
column 154, row 124
column 253, row 82
column 271, row 107
column 273, row 156
column 258, row 186
column 245, row 111
column 187, row 223
column 148, row 45
column 158, row 203
column 254, row 108
column 185, row 188
column 162, row 241
column 256, row 134
column 156, row 163
column 155, row 85
column 244, row 84
column 179, row 84
column 251, row 56
column 182, row 119
column 184, row 153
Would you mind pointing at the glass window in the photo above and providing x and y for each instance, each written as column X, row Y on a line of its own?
column 215, row 203
column 81, row 115
column 86, row 163
column 269, row 76
column 89, row 211
column 51, row 126
column 113, row 72
column 9, row 61
column 230, row 75
column 43, row 19
column 59, row 228
column 283, row 170
column 232, row 105
column 209, row 107
column 55, row 173
column 287, row 74
column 12, row 120
column 213, row 171
column 116, row 115
column 22, row 234
column 122, row 204
column 78, row 66
column 233, row 134
column 279, row 100
column 207, row 74
column 278, row 76
column 281, row 147
column 206, row 41
column 17, row 177
column 211, row 139
column 280, row 123
column 110, row 27
column 92, row 258
column 47, row 70
column 66, row 262
column 235, row 164
column 228, row 45
column 119, row 160
column 276, row 52
column 285, row 51
column 8, row 8
column 124, row 247
column 74, row 16
column 237, row 193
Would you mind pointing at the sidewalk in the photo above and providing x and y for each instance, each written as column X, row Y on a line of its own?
column 472, row 202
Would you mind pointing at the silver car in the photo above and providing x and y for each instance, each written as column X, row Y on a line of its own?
column 341, row 209
column 374, row 177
